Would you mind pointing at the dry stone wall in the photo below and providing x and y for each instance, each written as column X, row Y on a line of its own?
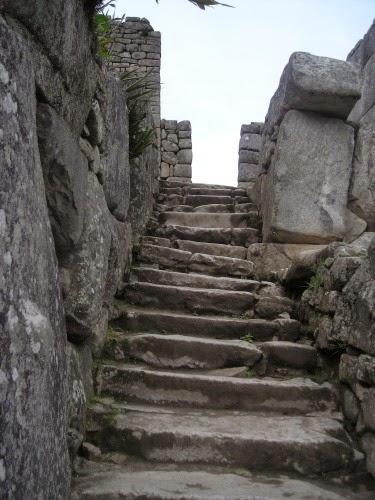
column 176, row 150
column 72, row 204
column 307, row 153
column 248, row 155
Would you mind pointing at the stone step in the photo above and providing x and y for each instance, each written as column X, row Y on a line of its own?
column 199, row 200
column 179, row 351
column 172, row 258
column 209, row 220
column 194, row 300
column 155, row 321
column 241, row 237
column 236, row 252
column 290, row 354
column 164, row 184
column 307, row 445
column 158, row 481
column 210, row 191
column 194, row 280
column 144, row 385
column 214, row 208
column 245, row 207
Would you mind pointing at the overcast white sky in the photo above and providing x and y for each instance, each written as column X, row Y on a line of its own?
column 220, row 67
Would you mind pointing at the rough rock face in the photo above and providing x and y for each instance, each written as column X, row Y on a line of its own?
column 61, row 28
column 305, row 193
column 311, row 83
column 115, row 161
column 65, row 171
column 32, row 329
column 92, row 272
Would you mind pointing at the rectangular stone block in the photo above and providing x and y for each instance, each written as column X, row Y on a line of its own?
column 248, row 172
column 185, row 157
column 182, row 171
column 306, row 189
column 251, row 142
column 252, row 128
column 246, row 156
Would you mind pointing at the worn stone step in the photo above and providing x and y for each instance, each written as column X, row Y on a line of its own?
column 180, row 208
column 155, row 321
column 199, row 200
column 179, row 351
column 195, row 300
column 157, row 481
column 210, row 220
column 215, row 208
column 195, row 280
column 307, row 445
column 290, row 354
column 172, row 258
column 210, row 191
column 233, row 251
column 144, row 385
column 245, row 207
column 227, row 236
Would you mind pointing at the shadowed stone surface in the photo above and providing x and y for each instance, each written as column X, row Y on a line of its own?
column 33, row 372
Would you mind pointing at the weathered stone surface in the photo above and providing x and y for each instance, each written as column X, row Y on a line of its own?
column 248, row 172
column 212, row 264
column 177, row 351
column 251, row 141
column 272, row 307
column 196, row 280
column 189, row 299
column 355, row 315
column 65, row 172
column 95, row 124
column 297, row 396
column 311, row 170
column 215, row 208
column 182, row 170
column 220, row 220
column 314, row 83
column 367, row 101
column 185, row 157
column 350, row 405
column 94, row 269
column 364, row 49
column 169, row 158
column 184, row 125
column 212, row 249
column 291, row 354
column 366, row 370
column 252, row 128
column 170, row 147
column 368, row 409
column 115, row 160
column 32, row 331
column 368, row 443
column 247, row 156
column 165, row 257
column 60, row 27
column 362, row 188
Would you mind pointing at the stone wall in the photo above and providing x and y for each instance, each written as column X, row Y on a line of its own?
column 307, row 153
column 72, row 205
column 176, row 150
column 248, row 154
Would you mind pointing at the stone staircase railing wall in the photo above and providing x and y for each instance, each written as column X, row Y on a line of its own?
column 248, row 155
column 70, row 201
column 176, row 150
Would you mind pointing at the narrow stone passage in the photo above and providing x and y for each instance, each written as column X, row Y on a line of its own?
column 208, row 386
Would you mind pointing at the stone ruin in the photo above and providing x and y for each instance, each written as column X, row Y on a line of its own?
column 96, row 244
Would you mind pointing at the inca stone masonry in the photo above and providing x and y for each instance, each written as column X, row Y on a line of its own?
column 146, row 321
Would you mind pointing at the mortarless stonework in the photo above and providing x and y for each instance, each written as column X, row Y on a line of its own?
column 176, row 150
column 248, row 154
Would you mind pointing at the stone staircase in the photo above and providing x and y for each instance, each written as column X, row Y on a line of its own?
column 206, row 388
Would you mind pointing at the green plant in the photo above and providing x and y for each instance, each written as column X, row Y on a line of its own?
column 139, row 91
column 248, row 338
column 316, row 280
column 102, row 27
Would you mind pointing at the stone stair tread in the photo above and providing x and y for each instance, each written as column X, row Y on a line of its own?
column 227, row 236
column 196, row 200
column 181, row 351
column 304, row 444
column 209, row 220
column 291, row 354
column 149, row 320
column 214, row 208
column 164, row 387
column 184, row 482
column 197, row 280
column 234, row 251
column 196, row 300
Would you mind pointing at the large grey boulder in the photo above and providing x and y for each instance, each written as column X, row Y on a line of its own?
column 65, row 171
column 306, row 189
column 58, row 28
column 115, row 175
column 33, row 450
column 364, row 49
column 368, row 94
column 362, row 188
column 311, row 83
column 93, row 271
